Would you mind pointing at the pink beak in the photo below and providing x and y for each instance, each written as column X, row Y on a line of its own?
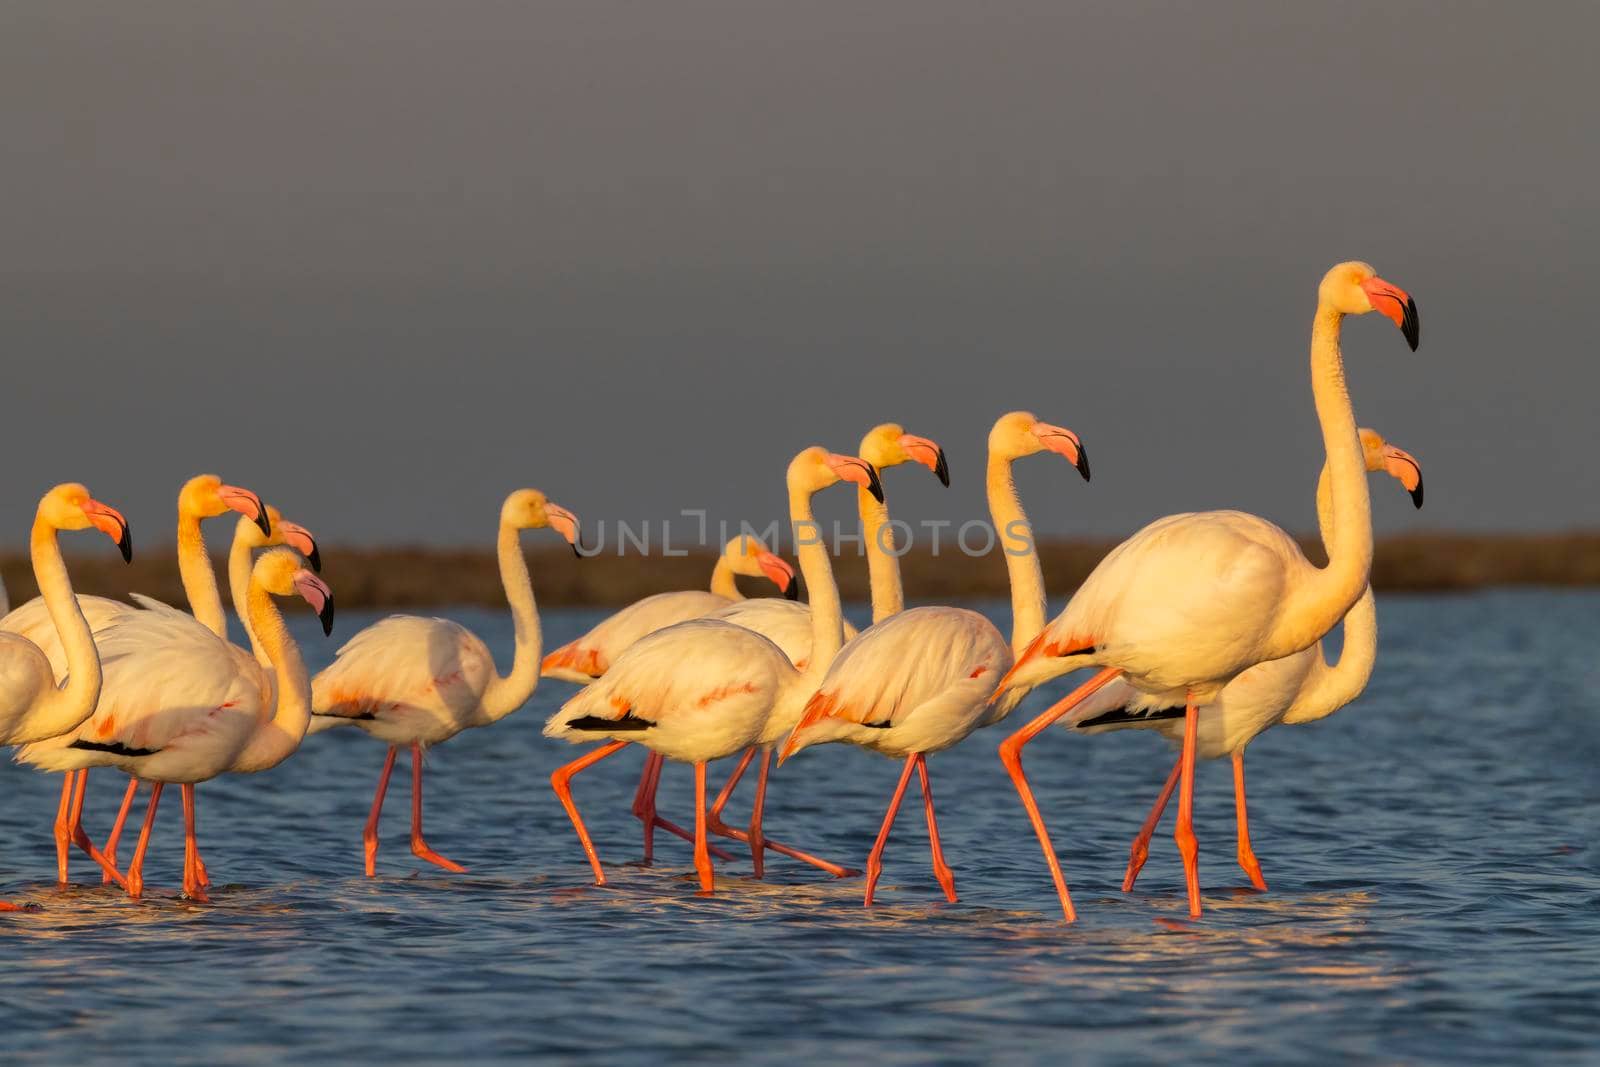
column 927, row 453
column 1405, row 468
column 779, row 571
column 1397, row 304
column 109, row 521
column 859, row 471
column 299, row 538
column 247, row 504
column 315, row 591
column 564, row 523
column 1063, row 442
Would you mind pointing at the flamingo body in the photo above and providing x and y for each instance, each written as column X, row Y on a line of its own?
column 588, row 657
column 785, row 623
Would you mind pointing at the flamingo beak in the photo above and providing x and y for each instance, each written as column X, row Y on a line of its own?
column 299, row 538
column 927, row 453
column 1064, row 442
column 1405, row 468
column 109, row 521
column 315, row 591
column 780, row 573
column 565, row 523
column 1397, row 304
column 247, row 504
column 859, row 471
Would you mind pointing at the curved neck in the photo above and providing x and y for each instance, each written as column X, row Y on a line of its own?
column 822, row 592
column 75, row 700
column 239, row 587
column 199, row 581
column 722, row 582
column 1319, row 602
column 1332, row 687
column 276, row 739
column 1022, row 557
column 505, row 695
column 883, row 563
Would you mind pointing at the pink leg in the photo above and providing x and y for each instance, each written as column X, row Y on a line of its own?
column 1188, row 847
column 110, row 847
column 733, row 780
column 81, row 839
column 717, row 826
column 702, row 855
column 192, row 886
column 136, row 868
column 1011, row 757
column 63, row 827
column 875, row 857
column 644, row 802
column 941, row 869
column 561, row 782
column 652, row 820
column 758, row 841
column 369, row 836
column 1247, row 856
column 419, row 847
column 1141, row 844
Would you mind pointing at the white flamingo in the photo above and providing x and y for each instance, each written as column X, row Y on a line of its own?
column 705, row 689
column 1300, row 688
column 919, row 681
column 412, row 681
column 181, row 704
column 1191, row 601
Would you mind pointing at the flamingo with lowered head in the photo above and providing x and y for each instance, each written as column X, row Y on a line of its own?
column 180, row 704
column 202, row 497
column 1191, row 601
column 412, row 681
column 919, row 681
column 789, row 625
column 1300, row 688
column 704, row 689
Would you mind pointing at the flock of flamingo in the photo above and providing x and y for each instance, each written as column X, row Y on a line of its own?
column 1206, row 627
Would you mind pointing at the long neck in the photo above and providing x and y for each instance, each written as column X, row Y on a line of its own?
column 1022, row 567
column 73, row 702
column 883, row 565
column 239, row 586
column 722, row 582
column 822, row 592
column 276, row 739
column 199, row 581
column 1322, row 599
column 505, row 695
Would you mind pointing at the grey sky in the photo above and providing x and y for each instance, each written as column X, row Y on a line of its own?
column 384, row 261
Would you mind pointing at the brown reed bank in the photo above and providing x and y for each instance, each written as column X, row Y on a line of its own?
column 416, row 578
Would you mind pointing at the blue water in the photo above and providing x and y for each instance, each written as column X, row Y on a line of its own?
column 1432, row 853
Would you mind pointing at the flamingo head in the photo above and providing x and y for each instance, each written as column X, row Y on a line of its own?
column 70, row 507
column 816, row 468
column 281, row 573
column 889, row 445
column 205, row 496
column 1020, row 433
column 748, row 555
column 528, row 509
column 283, row 532
column 1354, row 288
column 1383, row 457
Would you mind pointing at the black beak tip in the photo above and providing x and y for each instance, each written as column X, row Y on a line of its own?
column 792, row 590
column 1410, row 325
column 263, row 520
column 315, row 559
column 125, row 545
column 874, row 485
column 1083, row 462
column 326, row 615
column 941, row 468
column 1416, row 495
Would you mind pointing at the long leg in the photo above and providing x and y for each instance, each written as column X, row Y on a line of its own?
column 875, row 857
column 1247, row 855
column 733, row 780
column 419, row 847
column 1141, row 844
column 136, row 868
column 1188, row 847
column 81, row 839
column 941, row 869
column 702, row 855
column 561, row 782
column 369, row 836
column 647, row 811
column 63, row 827
column 717, row 826
column 758, row 841
column 110, row 847
column 1011, row 757
column 193, row 887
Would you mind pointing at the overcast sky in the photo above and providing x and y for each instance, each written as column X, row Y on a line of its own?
column 384, row 261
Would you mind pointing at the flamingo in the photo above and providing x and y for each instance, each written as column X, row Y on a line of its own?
column 1298, row 688
column 705, row 689
column 789, row 625
column 412, row 681
column 248, row 536
column 202, row 497
column 180, row 704
column 1191, row 601
column 919, row 681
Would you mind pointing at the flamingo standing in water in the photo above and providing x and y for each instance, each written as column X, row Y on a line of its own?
column 180, row 704
column 1191, row 601
column 204, row 496
column 1298, row 688
column 705, row 689
column 412, row 681
column 919, row 681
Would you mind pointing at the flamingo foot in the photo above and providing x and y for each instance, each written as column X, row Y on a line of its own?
column 1247, row 860
column 420, row 849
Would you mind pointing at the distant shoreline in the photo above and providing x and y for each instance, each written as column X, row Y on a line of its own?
column 414, row 578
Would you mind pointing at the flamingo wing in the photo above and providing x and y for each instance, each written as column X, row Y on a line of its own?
column 405, row 670
column 32, row 620
column 586, row 658
column 785, row 623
